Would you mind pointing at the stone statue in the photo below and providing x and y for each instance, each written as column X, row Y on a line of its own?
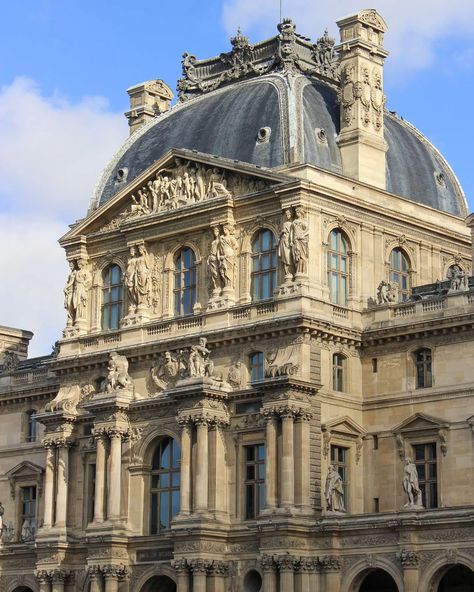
column 299, row 241
column 199, row 362
column 2, row 512
column 284, row 245
column 458, row 279
column 227, row 251
column 27, row 532
column 138, row 278
column 165, row 371
column 411, row 486
column 118, row 377
column 387, row 293
column 334, row 491
column 213, row 263
column 76, row 291
column 234, row 376
column 130, row 280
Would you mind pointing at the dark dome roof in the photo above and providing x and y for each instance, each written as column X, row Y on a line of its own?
column 304, row 121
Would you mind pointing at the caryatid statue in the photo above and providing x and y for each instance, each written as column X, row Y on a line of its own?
column 334, row 491
column 284, row 245
column 213, row 263
column 76, row 291
column 299, row 241
column 139, row 278
column 411, row 486
column 228, row 248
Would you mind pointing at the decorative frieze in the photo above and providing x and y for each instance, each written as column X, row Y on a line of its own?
column 408, row 558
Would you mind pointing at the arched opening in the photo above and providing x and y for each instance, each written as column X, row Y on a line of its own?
column 458, row 578
column 378, row 581
column 22, row 589
column 252, row 581
column 159, row 584
column 338, row 267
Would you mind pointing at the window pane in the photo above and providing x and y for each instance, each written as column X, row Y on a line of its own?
column 164, row 510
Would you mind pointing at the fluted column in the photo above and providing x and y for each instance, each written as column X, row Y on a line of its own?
column 331, row 567
column 59, row 580
column 182, row 571
column 199, row 568
column 95, row 578
column 100, row 468
column 271, row 463
column 49, row 486
column 185, row 472
column 303, row 580
column 269, row 574
column 111, row 582
column 202, row 473
column 44, row 581
column 112, row 575
column 287, row 575
column 302, row 460
column 62, row 474
column 115, row 475
column 287, row 481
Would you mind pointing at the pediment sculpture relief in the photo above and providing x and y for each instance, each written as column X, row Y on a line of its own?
column 182, row 184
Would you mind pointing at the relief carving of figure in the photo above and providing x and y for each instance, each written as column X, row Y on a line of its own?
column 165, row 371
column 227, row 252
column 199, row 362
column 284, row 245
column 234, row 376
column 118, row 377
column 411, row 486
column 334, row 491
column 299, row 241
column 387, row 293
column 213, row 263
column 76, row 291
column 27, row 531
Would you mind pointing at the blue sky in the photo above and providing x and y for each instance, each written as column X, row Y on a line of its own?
column 64, row 71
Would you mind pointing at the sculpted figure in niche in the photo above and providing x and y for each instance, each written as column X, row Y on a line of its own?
column 458, row 278
column 411, row 486
column 284, row 245
column 199, row 362
column 334, row 491
column 213, row 263
column 299, row 241
column 139, row 278
column 27, row 533
column 165, row 371
column 234, row 376
column 130, row 280
column 76, row 291
column 227, row 250
column 118, row 377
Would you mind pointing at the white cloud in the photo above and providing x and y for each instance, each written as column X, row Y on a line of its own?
column 414, row 25
column 51, row 154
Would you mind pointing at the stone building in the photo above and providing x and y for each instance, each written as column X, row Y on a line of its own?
column 265, row 374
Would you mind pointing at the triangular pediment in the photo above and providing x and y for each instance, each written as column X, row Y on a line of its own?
column 419, row 422
column 24, row 469
column 344, row 425
column 180, row 180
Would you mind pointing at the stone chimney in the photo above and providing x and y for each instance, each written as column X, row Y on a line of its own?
column 361, row 53
column 147, row 100
column 13, row 345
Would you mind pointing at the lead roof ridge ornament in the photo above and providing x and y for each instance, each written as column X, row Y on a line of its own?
column 287, row 52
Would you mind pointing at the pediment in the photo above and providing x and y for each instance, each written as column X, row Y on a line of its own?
column 345, row 426
column 24, row 469
column 420, row 422
column 179, row 180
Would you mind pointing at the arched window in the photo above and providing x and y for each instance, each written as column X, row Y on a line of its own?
column 257, row 366
column 399, row 272
column 32, row 428
column 164, row 485
column 338, row 372
column 264, row 265
column 338, row 267
column 112, row 297
column 424, row 375
column 185, row 282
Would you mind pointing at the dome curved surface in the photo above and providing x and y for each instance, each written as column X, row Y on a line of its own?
column 303, row 119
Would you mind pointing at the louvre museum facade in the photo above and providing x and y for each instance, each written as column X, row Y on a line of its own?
column 264, row 377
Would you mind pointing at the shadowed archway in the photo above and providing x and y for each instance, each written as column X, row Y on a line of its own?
column 378, row 580
column 458, row 578
column 159, row 584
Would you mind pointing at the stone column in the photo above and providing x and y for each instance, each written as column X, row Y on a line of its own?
column 303, row 580
column 271, row 463
column 62, row 474
column 199, row 567
column 216, row 581
column 49, row 485
column 287, row 567
column 59, row 579
column 202, row 474
column 100, row 468
column 111, row 582
column 287, row 481
column 409, row 561
column 44, row 581
column 95, row 578
column 269, row 574
column 331, row 566
column 185, row 469
column 115, row 475
column 181, row 568
column 302, row 461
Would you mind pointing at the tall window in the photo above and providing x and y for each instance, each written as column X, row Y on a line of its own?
column 185, row 282
column 399, row 272
column 264, row 265
column 165, row 476
column 257, row 366
column 424, row 375
column 32, row 428
column 425, row 461
column 28, row 513
column 339, row 459
column 338, row 267
column 112, row 297
column 254, row 480
column 91, row 472
column 338, row 371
